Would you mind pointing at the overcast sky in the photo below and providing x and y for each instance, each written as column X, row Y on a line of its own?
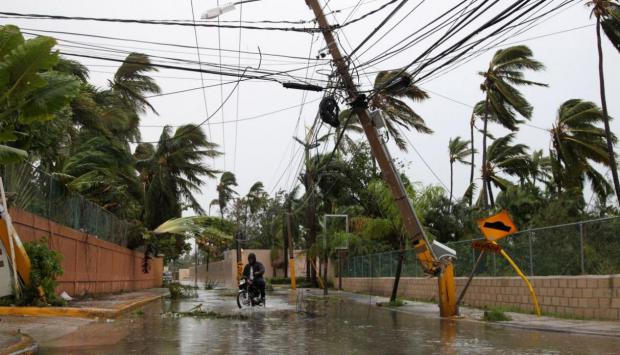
column 261, row 149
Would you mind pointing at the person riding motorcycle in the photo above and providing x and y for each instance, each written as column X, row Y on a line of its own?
column 254, row 271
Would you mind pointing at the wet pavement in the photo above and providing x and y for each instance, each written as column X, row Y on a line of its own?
column 305, row 323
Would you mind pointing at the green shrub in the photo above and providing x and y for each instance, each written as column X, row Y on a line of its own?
column 181, row 291
column 495, row 315
column 44, row 269
column 396, row 303
column 210, row 284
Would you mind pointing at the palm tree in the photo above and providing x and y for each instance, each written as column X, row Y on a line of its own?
column 607, row 15
column 256, row 197
column 131, row 84
column 225, row 193
column 502, row 99
column 459, row 150
column 540, row 169
column 391, row 88
column 31, row 91
column 173, row 171
column 577, row 141
column 504, row 157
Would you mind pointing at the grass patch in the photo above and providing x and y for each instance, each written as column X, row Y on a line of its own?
column 495, row 315
column 392, row 304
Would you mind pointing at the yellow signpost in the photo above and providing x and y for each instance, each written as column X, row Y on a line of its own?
column 494, row 228
column 497, row 227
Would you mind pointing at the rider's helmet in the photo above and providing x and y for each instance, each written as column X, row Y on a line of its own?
column 252, row 258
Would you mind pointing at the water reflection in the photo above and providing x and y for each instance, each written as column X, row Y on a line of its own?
column 324, row 327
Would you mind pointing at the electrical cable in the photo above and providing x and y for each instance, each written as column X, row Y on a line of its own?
column 202, row 81
column 158, row 22
column 166, row 44
column 250, row 118
column 238, row 91
column 219, row 47
column 381, row 24
column 195, row 127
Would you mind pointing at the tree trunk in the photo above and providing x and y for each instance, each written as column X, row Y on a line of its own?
column 610, row 145
column 325, row 264
column 399, row 268
column 472, row 167
column 485, row 197
column 451, row 179
column 489, row 187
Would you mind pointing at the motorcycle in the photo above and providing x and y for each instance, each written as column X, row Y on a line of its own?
column 248, row 295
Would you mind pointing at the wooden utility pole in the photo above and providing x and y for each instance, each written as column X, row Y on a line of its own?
column 358, row 103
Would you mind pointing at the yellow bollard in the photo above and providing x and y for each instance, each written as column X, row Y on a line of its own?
column 524, row 278
column 447, row 292
column 291, row 264
column 239, row 270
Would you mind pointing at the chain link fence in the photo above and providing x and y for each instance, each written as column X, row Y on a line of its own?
column 583, row 248
column 38, row 192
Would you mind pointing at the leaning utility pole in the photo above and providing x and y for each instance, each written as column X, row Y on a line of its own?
column 445, row 272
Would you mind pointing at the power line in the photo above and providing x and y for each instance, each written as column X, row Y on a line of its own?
column 376, row 29
column 219, row 46
column 199, row 124
column 250, row 118
column 169, row 44
column 266, row 77
column 202, row 80
column 238, row 91
column 158, row 22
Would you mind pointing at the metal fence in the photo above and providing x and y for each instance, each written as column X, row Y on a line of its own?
column 38, row 192
column 583, row 248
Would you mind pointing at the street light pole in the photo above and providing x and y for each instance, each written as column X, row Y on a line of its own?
column 447, row 290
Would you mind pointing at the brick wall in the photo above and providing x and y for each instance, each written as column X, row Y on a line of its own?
column 90, row 265
column 596, row 297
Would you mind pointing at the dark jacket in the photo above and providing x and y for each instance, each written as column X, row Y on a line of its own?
column 258, row 268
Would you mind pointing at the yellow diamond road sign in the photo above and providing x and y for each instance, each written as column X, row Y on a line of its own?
column 497, row 226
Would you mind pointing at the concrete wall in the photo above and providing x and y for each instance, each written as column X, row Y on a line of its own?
column 90, row 265
column 596, row 297
column 224, row 272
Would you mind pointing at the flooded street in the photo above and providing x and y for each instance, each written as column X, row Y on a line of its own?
column 308, row 324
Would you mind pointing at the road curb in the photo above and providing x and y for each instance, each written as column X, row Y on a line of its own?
column 77, row 312
column 25, row 345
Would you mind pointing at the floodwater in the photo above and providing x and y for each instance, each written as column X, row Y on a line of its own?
column 292, row 324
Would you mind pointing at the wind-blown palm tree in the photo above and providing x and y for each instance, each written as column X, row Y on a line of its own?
column 504, row 158
column 31, row 90
column 607, row 13
column 173, row 171
column 458, row 151
column 256, row 197
column 503, row 100
column 577, row 141
column 389, row 100
column 225, row 192
column 131, row 84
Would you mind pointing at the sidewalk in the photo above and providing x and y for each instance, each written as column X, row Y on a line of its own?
column 16, row 343
column 519, row 320
column 108, row 306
